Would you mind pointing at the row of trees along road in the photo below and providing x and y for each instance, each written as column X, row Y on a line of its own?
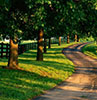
column 45, row 19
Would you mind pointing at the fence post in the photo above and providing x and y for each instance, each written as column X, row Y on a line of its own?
column 2, row 50
column 36, row 45
column 7, row 50
column 19, row 49
column 32, row 46
column 26, row 47
column 29, row 46
column 23, row 48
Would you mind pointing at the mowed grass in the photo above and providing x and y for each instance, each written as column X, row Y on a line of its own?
column 37, row 77
column 90, row 50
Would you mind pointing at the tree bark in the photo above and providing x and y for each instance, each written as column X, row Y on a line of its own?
column 78, row 39
column 68, row 41
column 13, row 55
column 40, row 46
column 75, row 38
column 45, row 45
column 49, row 46
column 96, row 40
column 59, row 40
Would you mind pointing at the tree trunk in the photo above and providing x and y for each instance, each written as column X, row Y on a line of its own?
column 63, row 40
column 13, row 56
column 49, row 46
column 78, row 39
column 96, row 40
column 45, row 44
column 40, row 46
column 68, row 41
column 59, row 40
column 75, row 38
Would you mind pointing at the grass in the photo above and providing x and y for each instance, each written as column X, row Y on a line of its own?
column 28, row 41
column 22, row 41
column 90, row 50
column 84, row 96
column 37, row 76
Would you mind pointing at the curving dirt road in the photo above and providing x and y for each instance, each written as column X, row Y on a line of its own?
column 82, row 85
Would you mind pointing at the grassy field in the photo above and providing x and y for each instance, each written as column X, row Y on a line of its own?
column 22, row 41
column 37, row 76
column 28, row 41
column 90, row 50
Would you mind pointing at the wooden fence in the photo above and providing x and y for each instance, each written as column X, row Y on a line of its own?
column 5, row 48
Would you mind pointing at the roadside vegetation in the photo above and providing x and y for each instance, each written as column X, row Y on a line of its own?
column 87, row 39
column 90, row 50
column 37, row 76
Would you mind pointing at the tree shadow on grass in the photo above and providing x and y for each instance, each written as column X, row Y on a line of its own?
column 27, row 58
column 54, row 51
column 4, row 60
column 54, row 57
column 33, row 55
column 22, row 85
column 28, row 55
column 95, row 52
column 50, row 64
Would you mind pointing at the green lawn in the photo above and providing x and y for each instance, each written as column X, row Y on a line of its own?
column 22, row 41
column 27, row 41
column 37, row 76
column 90, row 50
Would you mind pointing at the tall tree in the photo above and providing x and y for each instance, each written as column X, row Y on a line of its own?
column 11, row 15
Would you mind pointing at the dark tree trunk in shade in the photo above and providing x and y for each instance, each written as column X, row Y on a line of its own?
column 49, row 46
column 63, row 40
column 59, row 40
column 96, row 40
column 40, row 46
column 78, row 39
column 75, row 38
column 13, row 55
column 45, row 45
column 68, row 41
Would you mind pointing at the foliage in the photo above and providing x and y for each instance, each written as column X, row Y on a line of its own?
column 87, row 39
column 90, row 50
column 56, row 18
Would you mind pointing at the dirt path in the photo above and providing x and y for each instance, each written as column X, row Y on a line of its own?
column 82, row 85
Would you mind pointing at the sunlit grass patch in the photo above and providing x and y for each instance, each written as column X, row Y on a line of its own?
column 37, row 76
column 28, row 41
column 90, row 50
